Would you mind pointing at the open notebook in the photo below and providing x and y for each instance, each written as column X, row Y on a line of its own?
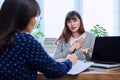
column 106, row 52
column 80, row 66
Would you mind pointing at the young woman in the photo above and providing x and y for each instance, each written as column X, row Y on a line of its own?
column 21, row 55
column 74, row 38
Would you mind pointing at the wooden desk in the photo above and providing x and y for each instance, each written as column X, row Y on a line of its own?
column 92, row 73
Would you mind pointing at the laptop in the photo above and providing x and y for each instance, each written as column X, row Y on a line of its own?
column 106, row 52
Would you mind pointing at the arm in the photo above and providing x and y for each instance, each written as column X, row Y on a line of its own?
column 85, row 51
column 87, row 48
column 39, row 59
column 91, row 46
column 80, row 54
column 61, row 51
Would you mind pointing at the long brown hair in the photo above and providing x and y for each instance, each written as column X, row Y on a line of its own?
column 66, row 33
column 14, row 17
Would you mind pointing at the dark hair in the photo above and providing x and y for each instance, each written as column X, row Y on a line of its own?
column 66, row 33
column 15, row 16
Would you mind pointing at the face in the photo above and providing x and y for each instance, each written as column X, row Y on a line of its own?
column 74, row 24
column 30, row 25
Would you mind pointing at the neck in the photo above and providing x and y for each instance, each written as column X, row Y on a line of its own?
column 25, row 31
column 76, row 35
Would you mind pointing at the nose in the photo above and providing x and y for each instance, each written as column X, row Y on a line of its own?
column 72, row 23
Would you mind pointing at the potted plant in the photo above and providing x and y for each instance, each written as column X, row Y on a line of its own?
column 37, row 32
column 99, row 31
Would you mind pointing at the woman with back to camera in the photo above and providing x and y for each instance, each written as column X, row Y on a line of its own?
column 21, row 55
column 74, row 39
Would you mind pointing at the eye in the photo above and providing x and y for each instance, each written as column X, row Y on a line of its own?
column 68, row 21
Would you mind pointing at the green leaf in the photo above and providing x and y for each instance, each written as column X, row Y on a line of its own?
column 99, row 31
column 37, row 33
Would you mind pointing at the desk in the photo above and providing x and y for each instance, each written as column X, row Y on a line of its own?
column 92, row 73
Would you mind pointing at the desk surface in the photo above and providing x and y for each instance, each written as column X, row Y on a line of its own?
column 92, row 73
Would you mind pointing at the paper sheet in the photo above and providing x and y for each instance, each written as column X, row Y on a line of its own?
column 80, row 66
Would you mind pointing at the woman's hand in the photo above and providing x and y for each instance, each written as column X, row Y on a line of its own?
column 73, row 58
column 77, row 44
column 85, row 51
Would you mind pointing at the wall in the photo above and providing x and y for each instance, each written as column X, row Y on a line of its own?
column 116, row 17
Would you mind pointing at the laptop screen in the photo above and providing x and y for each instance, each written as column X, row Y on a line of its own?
column 106, row 49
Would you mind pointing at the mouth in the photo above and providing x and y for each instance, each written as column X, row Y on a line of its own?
column 73, row 28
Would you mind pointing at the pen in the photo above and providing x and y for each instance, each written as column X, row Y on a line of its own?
column 73, row 51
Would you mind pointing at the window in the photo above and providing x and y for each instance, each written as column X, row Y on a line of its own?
column 54, row 16
column 98, row 12
column 1, row 2
column 93, row 12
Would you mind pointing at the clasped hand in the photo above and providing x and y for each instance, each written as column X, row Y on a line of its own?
column 78, row 43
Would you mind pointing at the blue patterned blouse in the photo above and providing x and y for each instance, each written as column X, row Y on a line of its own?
column 26, row 57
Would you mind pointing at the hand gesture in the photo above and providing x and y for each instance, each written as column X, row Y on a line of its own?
column 78, row 44
column 85, row 51
column 73, row 58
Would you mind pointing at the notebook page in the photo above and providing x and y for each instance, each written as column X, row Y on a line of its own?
column 80, row 66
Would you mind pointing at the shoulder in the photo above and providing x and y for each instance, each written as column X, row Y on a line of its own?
column 25, row 37
column 89, row 34
column 62, row 40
